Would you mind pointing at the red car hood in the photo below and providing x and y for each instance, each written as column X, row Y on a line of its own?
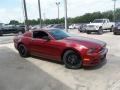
column 88, row 42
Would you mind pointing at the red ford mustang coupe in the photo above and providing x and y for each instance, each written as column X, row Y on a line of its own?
column 58, row 45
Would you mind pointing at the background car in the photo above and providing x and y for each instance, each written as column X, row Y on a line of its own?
column 60, row 26
column 98, row 25
column 8, row 29
column 49, row 26
column 82, row 28
column 74, row 26
column 35, row 27
column 58, row 45
column 116, row 30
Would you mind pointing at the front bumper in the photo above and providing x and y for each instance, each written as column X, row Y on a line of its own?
column 116, row 31
column 92, row 29
column 95, row 59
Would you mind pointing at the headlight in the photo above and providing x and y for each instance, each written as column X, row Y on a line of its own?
column 91, row 50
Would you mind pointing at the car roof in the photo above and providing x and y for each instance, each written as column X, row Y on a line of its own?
column 44, row 29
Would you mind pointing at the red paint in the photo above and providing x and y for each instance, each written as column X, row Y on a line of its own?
column 54, row 49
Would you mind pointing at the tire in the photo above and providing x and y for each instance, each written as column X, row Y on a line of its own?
column 72, row 60
column 115, row 33
column 100, row 31
column 111, row 29
column 23, row 51
column 88, row 32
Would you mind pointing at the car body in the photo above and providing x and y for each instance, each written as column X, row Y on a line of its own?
column 116, row 30
column 58, row 45
column 74, row 26
column 98, row 25
column 35, row 27
column 49, row 26
column 20, row 27
column 8, row 29
column 59, row 26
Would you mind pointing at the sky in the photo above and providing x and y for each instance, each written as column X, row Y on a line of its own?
column 13, row 9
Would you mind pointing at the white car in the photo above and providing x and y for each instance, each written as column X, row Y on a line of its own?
column 98, row 25
column 74, row 26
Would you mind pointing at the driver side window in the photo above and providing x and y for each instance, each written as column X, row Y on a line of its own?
column 39, row 34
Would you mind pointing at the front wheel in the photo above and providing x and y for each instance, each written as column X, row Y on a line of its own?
column 72, row 60
column 100, row 31
column 23, row 50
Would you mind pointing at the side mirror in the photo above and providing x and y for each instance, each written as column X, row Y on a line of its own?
column 46, row 38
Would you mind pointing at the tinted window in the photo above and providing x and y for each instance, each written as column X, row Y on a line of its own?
column 59, row 34
column 39, row 34
column 98, row 21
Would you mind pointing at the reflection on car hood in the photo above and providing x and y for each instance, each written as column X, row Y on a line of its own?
column 88, row 42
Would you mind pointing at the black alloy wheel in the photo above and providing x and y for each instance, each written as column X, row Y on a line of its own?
column 72, row 60
column 23, row 51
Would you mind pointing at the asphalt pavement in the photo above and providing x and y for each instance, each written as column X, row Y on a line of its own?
column 32, row 73
column 6, row 39
column 17, row 73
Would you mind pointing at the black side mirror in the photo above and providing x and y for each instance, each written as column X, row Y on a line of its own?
column 46, row 38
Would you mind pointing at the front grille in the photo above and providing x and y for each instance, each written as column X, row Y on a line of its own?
column 91, row 26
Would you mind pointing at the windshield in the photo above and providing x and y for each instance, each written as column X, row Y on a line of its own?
column 98, row 21
column 58, row 34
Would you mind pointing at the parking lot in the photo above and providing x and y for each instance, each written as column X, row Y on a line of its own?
column 18, row 73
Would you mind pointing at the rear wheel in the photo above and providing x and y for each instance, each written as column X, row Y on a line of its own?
column 23, row 51
column 72, row 60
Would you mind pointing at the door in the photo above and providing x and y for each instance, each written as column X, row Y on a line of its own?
column 45, row 48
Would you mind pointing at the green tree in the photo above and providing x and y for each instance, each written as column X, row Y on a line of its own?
column 14, row 22
column 86, row 18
